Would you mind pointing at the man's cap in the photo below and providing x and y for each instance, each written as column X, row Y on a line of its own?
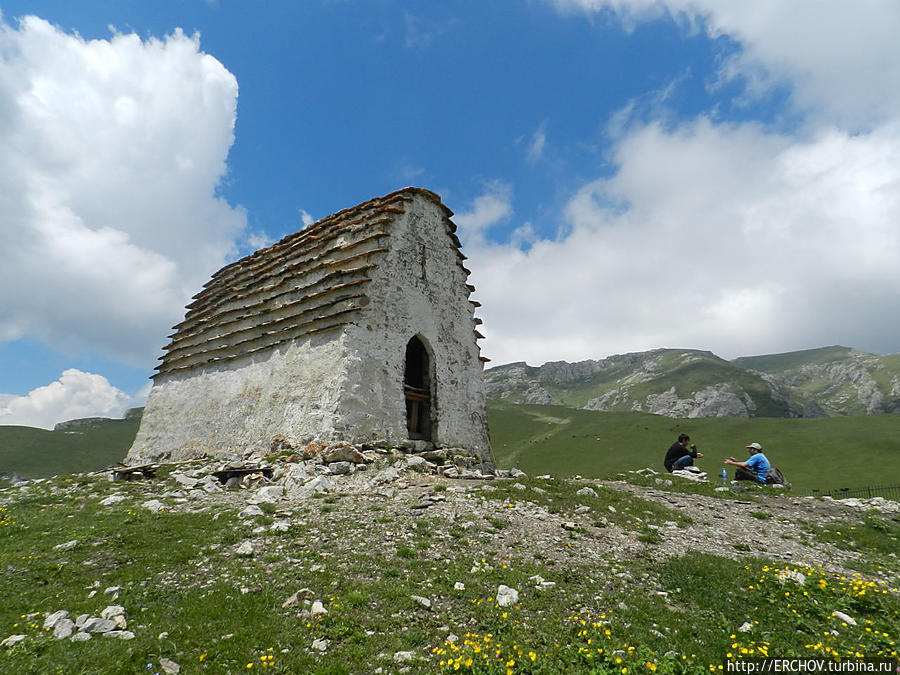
column 755, row 446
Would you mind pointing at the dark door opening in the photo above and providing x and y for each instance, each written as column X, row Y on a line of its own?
column 417, row 390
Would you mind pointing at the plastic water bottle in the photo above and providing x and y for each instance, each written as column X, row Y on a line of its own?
column 724, row 476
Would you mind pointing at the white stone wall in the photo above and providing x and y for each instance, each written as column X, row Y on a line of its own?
column 347, row 384
column 292, row 391
column 417, row 289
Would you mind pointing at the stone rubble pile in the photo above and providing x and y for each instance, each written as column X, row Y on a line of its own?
column 877, row 503
column 111, row 623
column 284, row 471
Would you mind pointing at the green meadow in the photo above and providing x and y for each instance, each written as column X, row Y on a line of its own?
column 38, row 453
column 827, row 453
column 823, row 454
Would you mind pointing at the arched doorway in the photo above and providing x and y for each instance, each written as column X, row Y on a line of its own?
column 417, row 390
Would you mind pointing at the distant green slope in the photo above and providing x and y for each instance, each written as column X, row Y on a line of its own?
column 37, row 453
column 813, row 453
column 777, row 363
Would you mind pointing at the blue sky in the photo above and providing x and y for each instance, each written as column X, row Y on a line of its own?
column 626, row 174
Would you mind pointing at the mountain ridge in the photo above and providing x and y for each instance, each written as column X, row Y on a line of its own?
column 821, row 382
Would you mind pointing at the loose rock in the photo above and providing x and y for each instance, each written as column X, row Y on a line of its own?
column 12, row 641
column 169, row 667
column 850, row 621
column 63, row 629
column 251, row 511
column 154, row 505
column 507, row 596
column 425, row 602
column 55, row 618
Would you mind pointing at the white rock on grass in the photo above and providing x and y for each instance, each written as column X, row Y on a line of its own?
column 97, row 625
column 63, row 629
column 169, row 666
column 66, row 546
column 154, row 505
column 425, row 602
column 792, row 575
column 251, row 512
column 586, row 492
column 112, row 499
column 540, row 584
column 320, row 645
column 297, row 598
column 849, row 620
column 12, row 641
column 403, row 657
column 317, row 609
column 245, row 549
column 81, row 637
column 55, row 618
column 115, row 613
column 507, row 596
column 120, row 634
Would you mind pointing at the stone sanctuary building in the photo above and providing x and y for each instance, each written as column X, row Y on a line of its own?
column 358, row 328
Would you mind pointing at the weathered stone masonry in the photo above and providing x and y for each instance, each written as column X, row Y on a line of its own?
column 357, row 328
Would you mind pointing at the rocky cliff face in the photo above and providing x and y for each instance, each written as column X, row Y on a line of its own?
column 691, row 383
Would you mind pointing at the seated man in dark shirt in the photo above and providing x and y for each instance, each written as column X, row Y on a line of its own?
column 681, row 454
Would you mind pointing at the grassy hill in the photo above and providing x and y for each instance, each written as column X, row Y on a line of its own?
column 778, row 363
column 397, row 571
column 90, row 445
column 813, row 453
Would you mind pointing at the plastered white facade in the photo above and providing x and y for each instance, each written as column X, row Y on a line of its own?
column 345, row 383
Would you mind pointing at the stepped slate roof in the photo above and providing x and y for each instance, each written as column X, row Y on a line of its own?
column 309, row 282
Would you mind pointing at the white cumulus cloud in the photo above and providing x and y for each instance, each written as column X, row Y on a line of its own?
column 74, row 395
column 709, row 236
column 840, row 60
column 735, row 237
column 111, row 152
column 490, row 208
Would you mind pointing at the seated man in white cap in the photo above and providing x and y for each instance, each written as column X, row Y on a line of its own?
column 754, row 469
